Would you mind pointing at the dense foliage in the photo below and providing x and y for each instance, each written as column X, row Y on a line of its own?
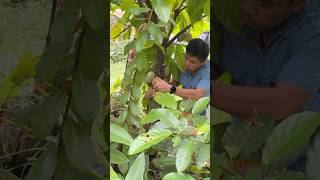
column 164, row 137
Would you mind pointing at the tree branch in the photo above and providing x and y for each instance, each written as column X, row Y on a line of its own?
column 179, row 33
column 175, row 16
column 122, row 32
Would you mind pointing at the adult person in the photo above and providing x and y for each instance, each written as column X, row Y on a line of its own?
column 195, row 79
column 275, row 65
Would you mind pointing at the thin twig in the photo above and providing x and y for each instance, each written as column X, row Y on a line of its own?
column 122, row 32
column 19, row 152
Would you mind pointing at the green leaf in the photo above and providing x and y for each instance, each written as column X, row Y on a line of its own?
column 135, row 108
column 166, row 100
column 186, row 105
column 52, row 60
column 119, row 135
column 155, row 32
column 141, row 41
column 85, row 101
column 113, row 174
column 289, row 135
column 161, row 7
column 67, row 171
column 176, row 140
column 128, row 47
column 138, row 10
column 94, row 12
column 179, row 57
column 235, row 138
column 50, row 109
column 136, row 171
column 79, row 146
column 195, row 9
column 7, row 175
column 184, row 155
column 141, row 62
column 124, row 97
column 117, row 157
column 220, row 116
column 116, row 29
column 313, row 162
column 292, row 175
column 45, row 165
column 123, row 116
column 146, row 140
column 92, row 55
column 177, row 176
column 162, row 114
column 136, row 92
column 200, row 105
column 64, row 22
column 203, row 156
column 258, row 136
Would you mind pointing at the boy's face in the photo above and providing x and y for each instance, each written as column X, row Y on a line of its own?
column 267, row 15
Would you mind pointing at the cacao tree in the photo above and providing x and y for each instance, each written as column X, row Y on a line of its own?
column 155, row 138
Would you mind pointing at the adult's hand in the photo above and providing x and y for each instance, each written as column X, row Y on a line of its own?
column 161, row 85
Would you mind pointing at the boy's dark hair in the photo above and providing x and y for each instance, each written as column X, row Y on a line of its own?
column 198, row 48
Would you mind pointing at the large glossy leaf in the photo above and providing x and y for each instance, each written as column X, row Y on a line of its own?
column 93, row 56
column 179, row 57
column 67, row 171
column 141, row 41
column 200, row 105
column 79, row 146
column 94, row 12
column 63, row 25
column 136, row 171
column 166, row 100
column 203, row 156
column 177, row 176
column 44, row 115
column 313, row 162
column 195, row 9
column 162, row 114
column 142, row 64
column 155, row 32
column 138, row 10
column 235, row 138
column 220, row 116
column 146, row 140
column 119, row 135
column 289, row 135
column 52, row 60
column 85, row 101
column 7, row 175
column 184, row 155
column 45, row 165
column 258, row 136
column 161, row 8
column 117, row 157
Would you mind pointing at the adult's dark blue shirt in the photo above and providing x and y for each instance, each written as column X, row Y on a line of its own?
column 292, row 56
